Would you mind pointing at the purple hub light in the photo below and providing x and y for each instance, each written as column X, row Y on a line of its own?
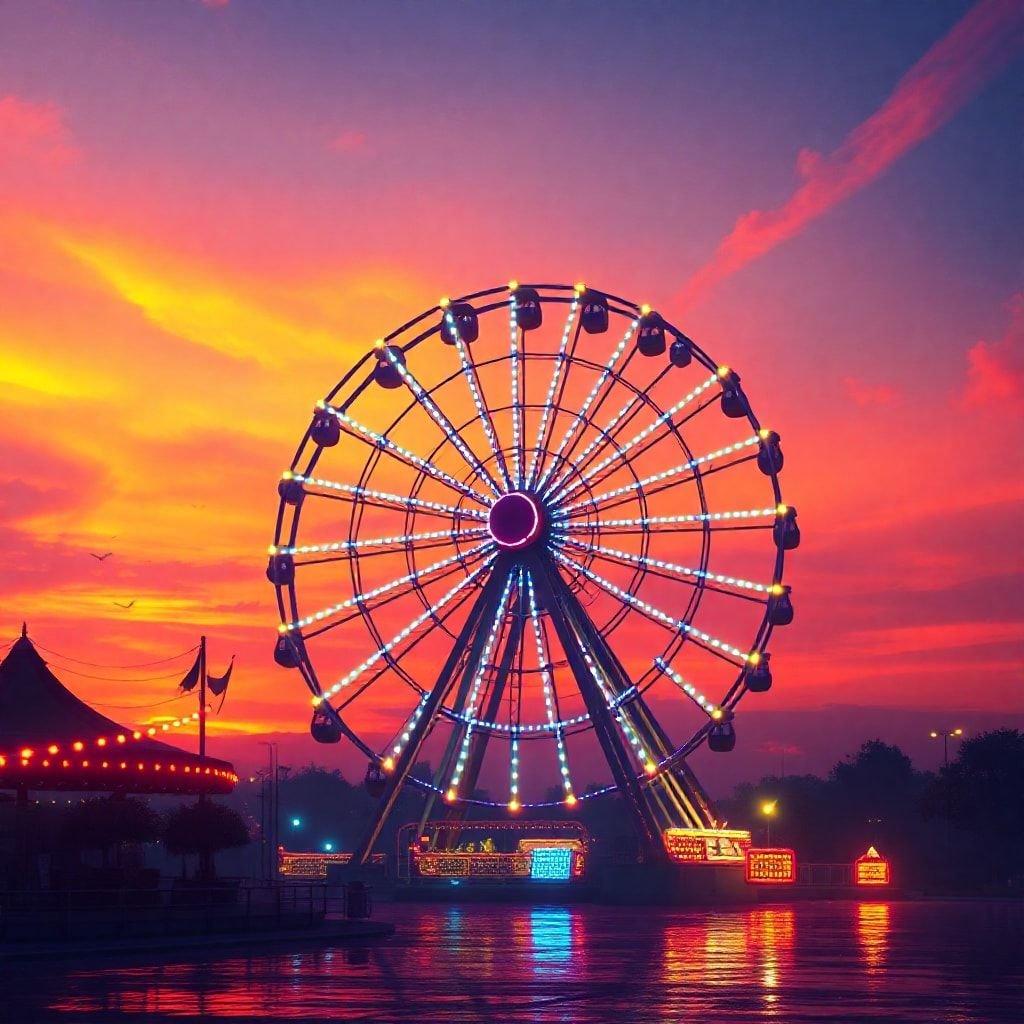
column 516, row 520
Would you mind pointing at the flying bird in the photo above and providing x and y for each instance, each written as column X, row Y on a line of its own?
column 128, row 605
column 103, row 557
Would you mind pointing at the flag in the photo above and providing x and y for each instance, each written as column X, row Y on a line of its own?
column 190, row 680
column 218, row 684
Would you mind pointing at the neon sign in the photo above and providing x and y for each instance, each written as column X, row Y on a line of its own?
column 871, row 869
column 770, row 867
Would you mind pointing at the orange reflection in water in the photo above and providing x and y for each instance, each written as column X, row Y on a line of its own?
column 873, row 934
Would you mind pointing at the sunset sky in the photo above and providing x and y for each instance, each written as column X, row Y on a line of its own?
column 208, row 211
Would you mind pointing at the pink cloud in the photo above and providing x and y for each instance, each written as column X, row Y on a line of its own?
column 348, row 142
column 995, row 369
column 863, row 394
column 34, row 133
column 951, row 73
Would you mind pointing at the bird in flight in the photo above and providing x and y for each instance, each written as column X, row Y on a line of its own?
column 128, row 605
column 103, row 557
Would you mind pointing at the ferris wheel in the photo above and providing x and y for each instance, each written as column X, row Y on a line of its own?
column 534, row 527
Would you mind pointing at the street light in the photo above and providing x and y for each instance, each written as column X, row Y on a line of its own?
column 768, row 810
column 328, row 847
column 296, row 823
column 947, row 735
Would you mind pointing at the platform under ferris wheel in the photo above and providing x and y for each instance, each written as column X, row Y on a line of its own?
column 517, row 495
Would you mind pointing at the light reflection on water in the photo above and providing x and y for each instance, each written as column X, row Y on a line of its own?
column 840, row 962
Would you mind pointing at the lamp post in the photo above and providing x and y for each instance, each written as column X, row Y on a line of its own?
column 768, row 810
column 947, row 735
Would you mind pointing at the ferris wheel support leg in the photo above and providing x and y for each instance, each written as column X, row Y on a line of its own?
column 483, row 611
column 555, row 596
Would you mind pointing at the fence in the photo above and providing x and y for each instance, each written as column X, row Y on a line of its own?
column 177, row 910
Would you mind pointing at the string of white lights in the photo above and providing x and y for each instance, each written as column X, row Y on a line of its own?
column 656, row 613
column 381, row 441
column 469, row 372
column 513, row 774
column 446, row 425
column 638, row 438
column 556, row 375
column 579, row 417
column 620, row 716
column 368, row 595
column 372, row 660
column 645, row 522
column 410, row 728
column 375, row 542
column 549, row 697
column 374, row 495
column 709, row 707
column 513, row 331
column 674, row 567
column 665, row 474
column 474, row 693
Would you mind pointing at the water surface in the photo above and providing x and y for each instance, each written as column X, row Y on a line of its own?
column 929, row 962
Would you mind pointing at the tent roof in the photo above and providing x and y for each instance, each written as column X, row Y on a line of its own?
column 38, row 711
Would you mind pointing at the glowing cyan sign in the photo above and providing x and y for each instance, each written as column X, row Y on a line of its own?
column 871, row 869
column 770, row 867
column 551, row 863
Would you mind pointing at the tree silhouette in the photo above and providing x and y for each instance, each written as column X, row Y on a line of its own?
column 105, row 823
column 203, row 828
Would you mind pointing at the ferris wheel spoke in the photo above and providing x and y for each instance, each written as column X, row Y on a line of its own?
column 415, row 624
column 671, row 570
column 443, row 422
column 709, row 707
column 556, row 376
column 469, row 371
column 550, row 694
column 710, row 643
column 517, row 411
column 400, row 541
column 355, row 429
column 681, row 523
column 588, row 401
column 665, row 474
column 361, row 599
column 474, row 692
column 664, row 419
column 383, row 499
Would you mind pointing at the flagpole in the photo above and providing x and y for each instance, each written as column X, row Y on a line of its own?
column 202, row 697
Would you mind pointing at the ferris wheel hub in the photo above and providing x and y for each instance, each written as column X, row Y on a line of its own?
column 516, row 520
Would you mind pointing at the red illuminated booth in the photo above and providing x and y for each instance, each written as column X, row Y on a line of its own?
column 51, row 740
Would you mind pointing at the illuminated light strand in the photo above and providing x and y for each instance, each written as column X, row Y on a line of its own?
column 410, row 727
column 469, row 372
column 12, row 760
column 441, row 420
column 474, row 693
column 637, row 438
column 556, row 375
column 398, row 499
column 549, row 702
column 673, row 567
column 118, row 739
column 709, row 707
column 420, row 463
column 700, row 517
column 384, row 588
column 656, row 613
column 513, row 330
column 372, row 660
column 374, row 542
column 665, row 474
column 579, row 417
column 513, row 771
column 624, row 724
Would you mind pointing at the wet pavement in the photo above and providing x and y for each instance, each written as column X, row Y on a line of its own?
column 936, row 961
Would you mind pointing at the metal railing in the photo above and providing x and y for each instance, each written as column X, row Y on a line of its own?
column 175, row 910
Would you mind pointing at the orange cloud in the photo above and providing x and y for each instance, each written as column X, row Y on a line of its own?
column 34, row 134
column 951, row 73
column 995, row 369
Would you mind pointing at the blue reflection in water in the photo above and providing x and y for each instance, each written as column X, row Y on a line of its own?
column 551, row 934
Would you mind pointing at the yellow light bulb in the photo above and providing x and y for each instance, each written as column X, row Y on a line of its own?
column 287, row 475
column 513, row 285
column 272, row 549
column 450, row 795
column 650, row 767
column 754, row 658
column 389, row 764
column 723, row 371
column 717, row 714
column 781, row 510
column 379, row 344
column 571, row 801
column 777, row 590
column 768, row 808
column 317, row 701
column 513, row 805
column 444, row 302
column 579, row 287
column 764, row 433
column 645, row 309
